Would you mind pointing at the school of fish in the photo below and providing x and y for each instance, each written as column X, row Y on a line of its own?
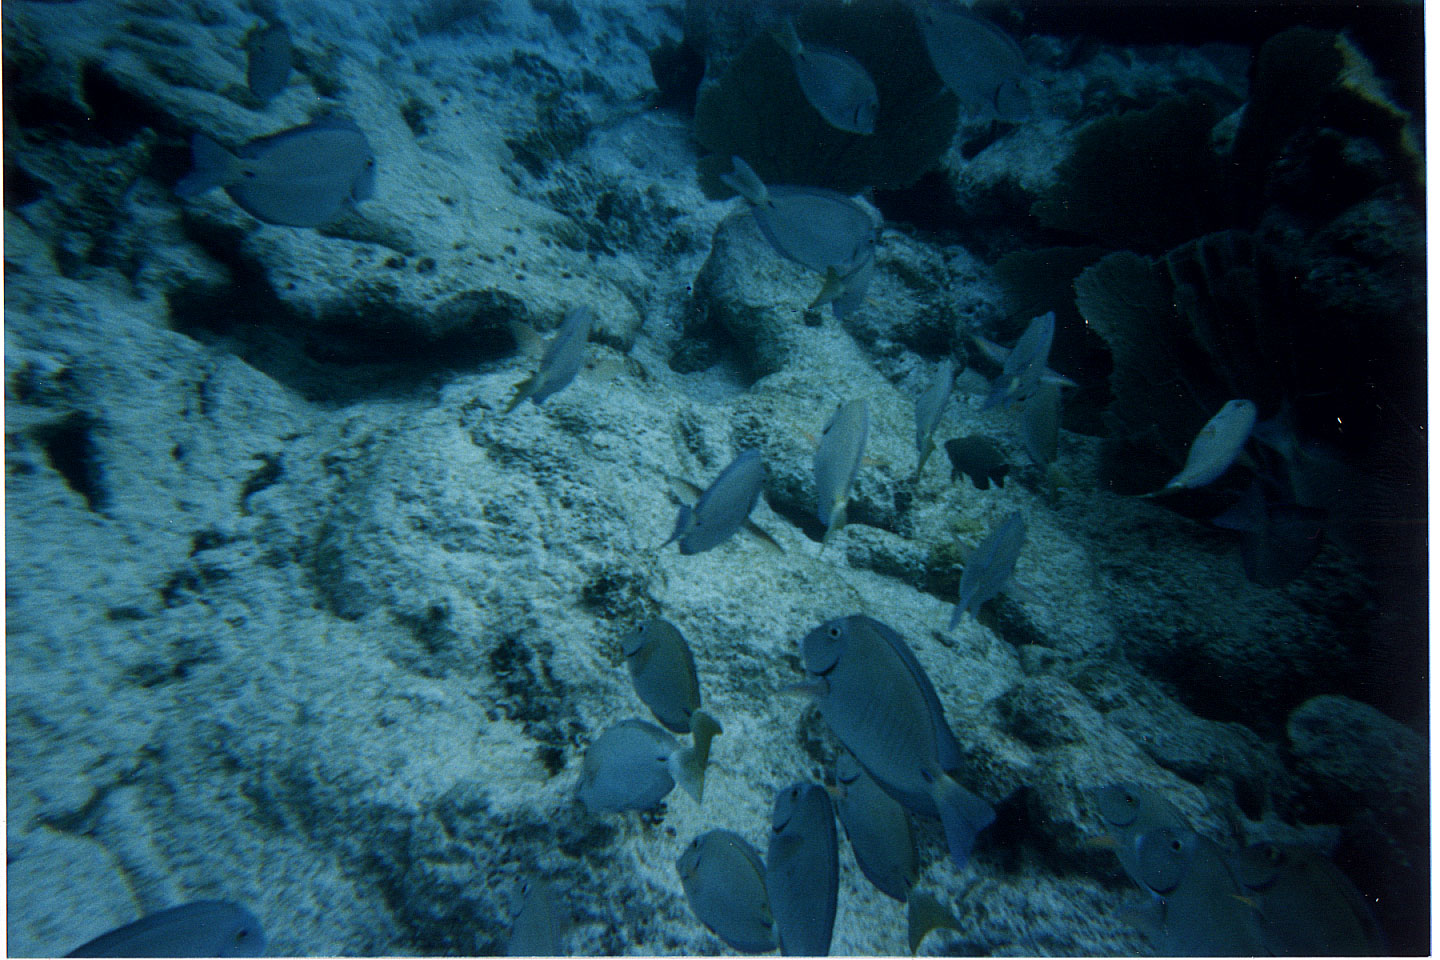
column 897, row 755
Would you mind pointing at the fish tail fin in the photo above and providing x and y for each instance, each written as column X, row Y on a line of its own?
column 687, row 767
column 788, row 39
column 962, row 814
column 703, row 729
column 522, row 390
column 837, row 522
column 831, row 289
column 928, row 449
column 214, row 166
column 746, row 182
column 957, row 616
column 684, row 520
column 925, row 914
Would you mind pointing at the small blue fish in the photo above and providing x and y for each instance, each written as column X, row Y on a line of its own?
column 879, row 702
column 724, row 884
column 723, row 508
column 563, row 358
column 267, row 64
column 203, row 928
column 835, row 83
column 929, row 407
column 541, row 923
column 302, row 177
column 633, row 766
column 662, row 670
column 1025, row 365
column 1040, row 424
column 837, row 461
column 980, row 63
column 990, row 568
column 1308, row 907
column 820, row 229
column 802, row 870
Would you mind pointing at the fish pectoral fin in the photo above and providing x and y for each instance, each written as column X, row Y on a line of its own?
column 925, row 913
column 757, row 531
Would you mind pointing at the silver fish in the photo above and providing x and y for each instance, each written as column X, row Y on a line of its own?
column 662, row 670
column 633, row 766
column 302, row 177
column 540, row 925
column 563, row 357
column 877, row 699
column 980, row 63
column 802, row 870
column 929, row 407
column 1215, row 447
column 1025, row 365
column 203, row 928
column 724, row 883
column 837, row 461
column 817, row 228
column 1040, row 424
column 835, row 83
column 267, row 60
column 1308, row 907
column 722, row 508
column 990, row 568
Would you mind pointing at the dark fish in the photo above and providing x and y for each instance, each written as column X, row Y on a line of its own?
column 723, row 508
column 267, row 60
column 302, row 177
column 979, row 459
column 204, row 928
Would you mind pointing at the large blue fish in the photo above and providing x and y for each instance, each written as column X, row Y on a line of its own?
column 302, row 177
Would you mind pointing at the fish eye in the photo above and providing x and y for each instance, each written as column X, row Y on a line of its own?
column 834, row 633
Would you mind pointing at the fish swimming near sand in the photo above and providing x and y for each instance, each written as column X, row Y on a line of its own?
column 302, row 177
